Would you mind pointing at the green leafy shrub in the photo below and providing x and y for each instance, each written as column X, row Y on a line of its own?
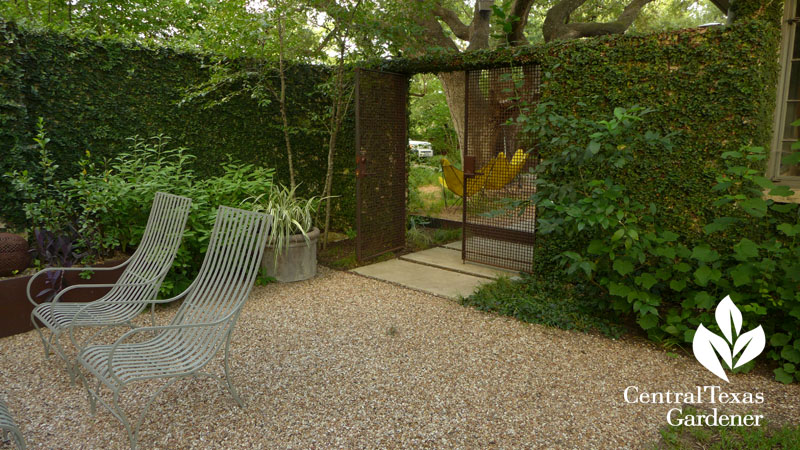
column 38, row 190
column 748, row 246
column 108, row 201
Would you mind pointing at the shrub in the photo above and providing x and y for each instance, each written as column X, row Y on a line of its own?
column 105, row 207
column 669, row 282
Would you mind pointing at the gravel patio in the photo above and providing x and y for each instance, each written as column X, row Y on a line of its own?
column 349, row 362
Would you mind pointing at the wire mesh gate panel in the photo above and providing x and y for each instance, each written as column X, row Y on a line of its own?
column 381, row 143
column 497, row 167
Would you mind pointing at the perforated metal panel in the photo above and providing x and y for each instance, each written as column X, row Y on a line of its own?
column 381, row 142
column 494, row 171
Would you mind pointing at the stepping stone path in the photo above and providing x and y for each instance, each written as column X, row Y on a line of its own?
column 439, row 271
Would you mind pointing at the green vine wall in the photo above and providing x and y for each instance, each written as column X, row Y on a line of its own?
column 94, row 94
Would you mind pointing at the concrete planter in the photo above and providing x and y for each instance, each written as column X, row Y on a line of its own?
column 298, row 262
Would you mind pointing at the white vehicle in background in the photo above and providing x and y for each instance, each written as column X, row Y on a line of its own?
column 423, row 149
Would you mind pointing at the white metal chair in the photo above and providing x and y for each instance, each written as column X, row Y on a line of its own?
column 201, row 328
column 144, row 272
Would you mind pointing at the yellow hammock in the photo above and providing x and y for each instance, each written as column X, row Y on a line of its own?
column 494, row 175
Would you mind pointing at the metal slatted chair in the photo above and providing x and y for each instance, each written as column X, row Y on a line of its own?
column 144, row 272
column 201, row 328
column 8, row 428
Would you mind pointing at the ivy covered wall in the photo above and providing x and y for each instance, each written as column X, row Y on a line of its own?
column 94, row 94
column 713, row 87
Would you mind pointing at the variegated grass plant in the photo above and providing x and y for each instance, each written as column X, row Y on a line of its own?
column 291, row 215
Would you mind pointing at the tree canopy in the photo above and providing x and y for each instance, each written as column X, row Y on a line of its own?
column 377, row 27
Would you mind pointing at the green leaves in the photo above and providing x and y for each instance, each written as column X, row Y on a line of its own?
column 623, row 267
column 745, row 249
column 785, row 374
column 648, row 321
column 756, row 207
column 671, row 279
column 646, row 281
column 779, row 339
column 790, row 354
column 704, row 253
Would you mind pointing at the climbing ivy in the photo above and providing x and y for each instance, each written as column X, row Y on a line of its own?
column 94, row 94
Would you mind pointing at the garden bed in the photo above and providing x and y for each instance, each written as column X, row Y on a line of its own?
column 15, row 309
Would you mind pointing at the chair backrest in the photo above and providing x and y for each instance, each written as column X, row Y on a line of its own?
column 153, row 257
column 226, row 276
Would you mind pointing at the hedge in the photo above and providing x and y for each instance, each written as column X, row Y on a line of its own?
column 95, row 93
column 714, row 87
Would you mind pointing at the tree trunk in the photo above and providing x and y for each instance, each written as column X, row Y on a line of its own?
column 339, row 109
column 453, row 86
column 282, row 99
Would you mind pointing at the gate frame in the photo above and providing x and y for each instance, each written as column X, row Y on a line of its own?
column 469, row 170
column 361, row 163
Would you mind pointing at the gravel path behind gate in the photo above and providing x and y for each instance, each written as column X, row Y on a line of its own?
column 349, row 362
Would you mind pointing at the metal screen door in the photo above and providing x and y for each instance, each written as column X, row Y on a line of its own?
column 496, row 167
column 381, row 148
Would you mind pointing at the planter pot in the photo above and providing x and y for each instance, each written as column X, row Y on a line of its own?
column 13, row 254
column 15, row 309
column 298, row 261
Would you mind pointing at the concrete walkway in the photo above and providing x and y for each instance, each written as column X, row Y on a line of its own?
column 437, row 270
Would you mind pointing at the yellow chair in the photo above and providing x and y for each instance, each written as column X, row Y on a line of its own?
column 454, row 179
column 494, row 175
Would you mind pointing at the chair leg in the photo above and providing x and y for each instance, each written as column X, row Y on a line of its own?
column 41, row 336
column 19, row 440
column 228, row 380
column 147, row 408
column 120, row 414
column 61, row 352
column 89, row 395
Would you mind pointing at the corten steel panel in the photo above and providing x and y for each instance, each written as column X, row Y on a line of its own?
column 494, row 99
column 381, row 148
column 15, row 309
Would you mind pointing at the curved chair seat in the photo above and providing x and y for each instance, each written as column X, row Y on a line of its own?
column 495, row 175
column 165, row 356
column 61, row 315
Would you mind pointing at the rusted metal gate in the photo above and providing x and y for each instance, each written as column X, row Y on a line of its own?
column 381, row 142
column 493, row 169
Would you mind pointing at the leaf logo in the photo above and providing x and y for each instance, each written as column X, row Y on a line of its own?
column 708, row 345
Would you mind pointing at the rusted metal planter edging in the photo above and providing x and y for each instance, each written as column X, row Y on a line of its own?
column 15, row 309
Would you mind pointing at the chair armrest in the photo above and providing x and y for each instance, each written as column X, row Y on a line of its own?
column 61, row 293
column 64, row 269
column 97, row 303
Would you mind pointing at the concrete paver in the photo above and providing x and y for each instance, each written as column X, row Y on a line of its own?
column 446, row 258
column 446, row 283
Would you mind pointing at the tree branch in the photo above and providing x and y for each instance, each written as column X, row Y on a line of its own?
column 435, row 34
column 556, row 27
column 479, row 29
column 520, row 9
column 450, row 17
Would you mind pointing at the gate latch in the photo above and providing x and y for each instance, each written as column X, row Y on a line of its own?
column 361, row 166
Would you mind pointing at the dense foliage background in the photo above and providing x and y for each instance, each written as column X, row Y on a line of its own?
column 95, row 94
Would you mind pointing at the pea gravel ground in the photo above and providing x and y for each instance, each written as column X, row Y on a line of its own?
column 343, row 361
